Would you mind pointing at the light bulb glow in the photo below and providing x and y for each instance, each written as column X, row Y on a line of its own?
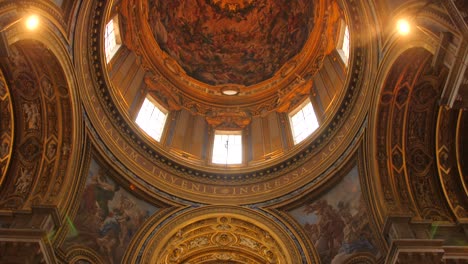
column 403, row 27
column 32, row 22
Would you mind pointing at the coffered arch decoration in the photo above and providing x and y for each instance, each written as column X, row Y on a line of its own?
column 43, row 126
column 399, row 60
column 217, row 234
column 6, row 127
column 40, row 74
column 404, row 140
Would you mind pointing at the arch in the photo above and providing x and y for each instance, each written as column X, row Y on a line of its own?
column 405, row 167
column 424, row 39
column 51, row 72
column 80, row 255
column 215, row 233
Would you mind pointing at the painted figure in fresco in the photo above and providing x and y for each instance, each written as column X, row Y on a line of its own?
column 219, row 43
column 330, row 226
column 339, row 232
column 357, row 234
column 104, row 192
column 97, row 218
column 129, row 218
column 330, row 229
column 108, row 239
column 108, row 217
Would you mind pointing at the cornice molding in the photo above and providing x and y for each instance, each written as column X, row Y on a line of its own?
column 161, row 169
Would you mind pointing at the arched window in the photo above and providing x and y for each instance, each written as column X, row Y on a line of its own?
column 227, row 147
column 303, row 121
column 152, row 118
column 112, row 40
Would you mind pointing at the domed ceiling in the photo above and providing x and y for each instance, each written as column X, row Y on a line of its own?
column 259, row 50
column 231, row 41
column 270, row 56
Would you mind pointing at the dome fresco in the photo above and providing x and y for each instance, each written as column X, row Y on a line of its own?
column 231, row 41
column 382, row 180
column 229, row 65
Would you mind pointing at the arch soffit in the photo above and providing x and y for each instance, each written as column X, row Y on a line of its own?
column 394, row 46
column 405, row 108
column 51, row 36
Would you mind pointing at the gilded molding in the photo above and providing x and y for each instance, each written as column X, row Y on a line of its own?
column 327, row 132
column 195, row 232
column 6, row 129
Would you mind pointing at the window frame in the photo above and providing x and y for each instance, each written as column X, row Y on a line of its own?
column 344, row 35
column 228, row 132
column 110, row 53
column 296, row 110
column 157, row 106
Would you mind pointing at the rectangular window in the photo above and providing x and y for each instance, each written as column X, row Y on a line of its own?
column 152, row 118
column 227, row 147
column 344, row 46
column 112, row 38
column 303, row 122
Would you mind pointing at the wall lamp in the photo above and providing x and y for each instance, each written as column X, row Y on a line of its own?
column 31, row 23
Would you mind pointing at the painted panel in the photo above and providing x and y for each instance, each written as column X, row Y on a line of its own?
column 222, row 42
column 108, row 216
column 337, row 222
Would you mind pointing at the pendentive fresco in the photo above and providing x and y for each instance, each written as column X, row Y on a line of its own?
column 337, row 223
column 108, row 216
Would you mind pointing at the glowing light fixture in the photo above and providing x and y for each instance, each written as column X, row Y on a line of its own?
column 403, row 27
column 32, row 22
column 230, row 90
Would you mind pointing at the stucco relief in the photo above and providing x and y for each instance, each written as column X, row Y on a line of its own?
column 228, row 237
